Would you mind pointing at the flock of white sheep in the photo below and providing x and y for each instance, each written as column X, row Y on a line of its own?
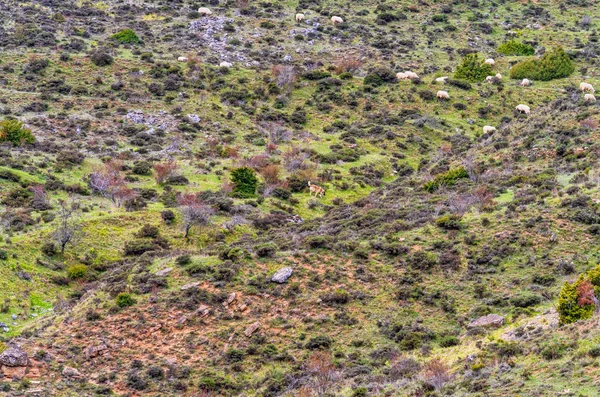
column 586, row 88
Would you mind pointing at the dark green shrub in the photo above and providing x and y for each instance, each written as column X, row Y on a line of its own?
column 148, row 231
column 126, row 36
column 514, row 47
column 449, row 222
column 319, row 342
column 472, row 69
column 125, row 300
column 137, row 247
column 525, row 300
column 449, row 341
column 183, row 260
column 594, row 351
column 3, row 255
column 168, row 216
column 554, row 64
column 463, row 85
column 49, row 249
column 318, row 241
column 13, row 131
column 101, row 58
column 234, row 355
column 266, row 250
column 316, row 75
column 380, row 76
column 244, row 182
column 359, row 392
column 553, row 350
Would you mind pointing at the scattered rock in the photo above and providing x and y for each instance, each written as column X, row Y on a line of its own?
column 190, row 285
column 489, row 321
column 71, row 372
column 193, row 118
column 14, row 357
column 282, row 275
column 164, row 272
column 203, row 311
column 93, row 351
column 230, row 299
column 251, row 329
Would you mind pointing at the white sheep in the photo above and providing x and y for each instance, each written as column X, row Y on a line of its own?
column 182, row 59
column 490, row 62
column 204, row 11
column 586, row 87
column 411, row 75
column 225, row 64
column 401, row 76
column 498, row 76
column 443, row 95
column 489, row 79
column 441, row 79
column 523, row 108
column 299, row 17
column 525, row 83
column 589, row 98
column 488, row 128
column 335, row 20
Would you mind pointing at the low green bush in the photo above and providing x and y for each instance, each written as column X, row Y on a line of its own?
column 447, row 179
column 552, row 65
column 126, row 36
column 77, row 271
column 514, row 47
column 13, row 131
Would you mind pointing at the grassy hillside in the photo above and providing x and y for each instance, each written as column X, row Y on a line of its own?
column 428, row 222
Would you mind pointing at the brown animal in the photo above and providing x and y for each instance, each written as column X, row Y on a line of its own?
column 318, row 190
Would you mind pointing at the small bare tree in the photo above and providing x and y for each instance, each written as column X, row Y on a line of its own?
column 285, row 76
column 69, row 229
column 194, row 212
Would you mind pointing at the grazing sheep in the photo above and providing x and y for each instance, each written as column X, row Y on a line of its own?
column 441, row 79
column 489, row 79
column 204, row 11
column 498, row 76
column 490, row 62
column 525, row 83
column 589, row 98
column 443, row 95
column 488, row 128
column 411, row 75
column 586, row 87
column 182, row 59
column 401, row 76
column 523, row 109
column 299, row 17
column 336, row 20
column 225, row 64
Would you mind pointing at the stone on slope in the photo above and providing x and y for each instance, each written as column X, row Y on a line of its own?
column 489, row 321
column 14, row 357
column 282, row 275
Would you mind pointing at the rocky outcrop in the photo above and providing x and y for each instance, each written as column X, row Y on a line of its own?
column 14, row 357
column 282, row 275
column 489, row 321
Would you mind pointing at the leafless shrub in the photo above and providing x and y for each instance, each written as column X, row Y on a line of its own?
column 348, row 63
column 162, row 171
column 69, row 229
column 194, row 212
column 271, row 174
column 321, row 373
column 437, row 373
column 235, row 221
column 275, row 132
column 40, row 197
column 285, row 76
column 108, row 182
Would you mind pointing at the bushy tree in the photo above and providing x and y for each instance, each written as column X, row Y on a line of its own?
column 570, row 307
column 244, row 182
column 472, row 69
column 555, row 64
column 14, row 131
